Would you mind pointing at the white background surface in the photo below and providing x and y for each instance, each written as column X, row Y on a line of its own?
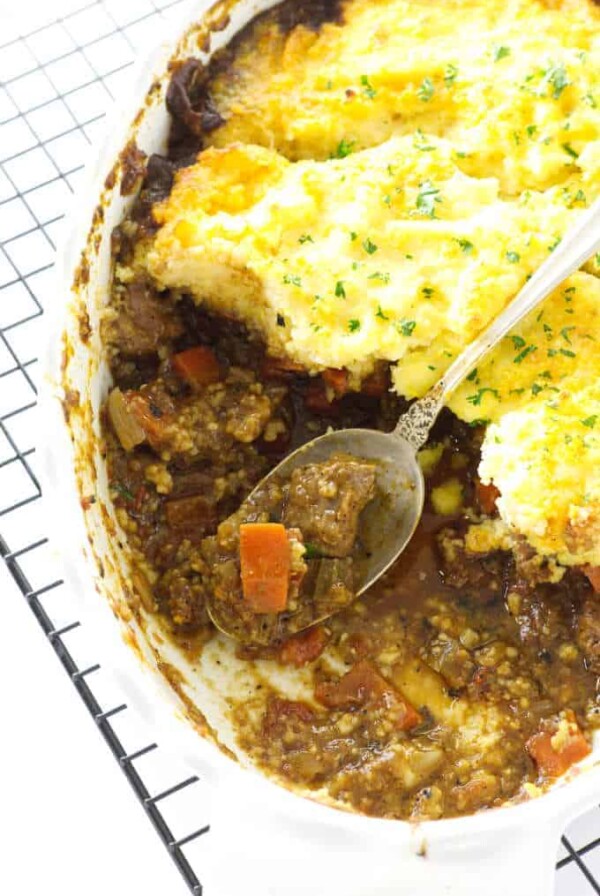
column 69, row 822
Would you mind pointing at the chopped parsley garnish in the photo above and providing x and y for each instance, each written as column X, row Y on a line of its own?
column 369, row 91
column 570, row 151
column 591, row 101
column 407, row 327
column 306, row 238
column 311, row 552
column 353, row 235
column 387, row 199
column 428, row 291
column 518, row 341
column 513, row 257
column 427, row 197
column 556, row 77
column 565, row 333
column 553, row 245
column 531, row 130
column 291, row 280
column 465, row 245
column 369, row 247
column 344, row 148
column 426, row 90
column 522, row 355
column 353, row 325
column 121, row 490
column 380, row 314
column 419, row 142
column 473, row 375
column 536, row 389
column 379, row 275
column 450, row 75
column 567, row 353
column 590, row 422
column 339, row 290
column 500, row 52
column 475, row 400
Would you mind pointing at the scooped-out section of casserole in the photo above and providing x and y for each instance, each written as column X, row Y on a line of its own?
column 351, row 192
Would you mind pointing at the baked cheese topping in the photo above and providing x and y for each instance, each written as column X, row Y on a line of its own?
column 499, row 78
column 382, row 189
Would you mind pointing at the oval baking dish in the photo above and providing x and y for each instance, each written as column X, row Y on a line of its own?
column 259, row 829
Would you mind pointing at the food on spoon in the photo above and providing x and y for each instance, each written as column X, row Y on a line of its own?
column 296, row 571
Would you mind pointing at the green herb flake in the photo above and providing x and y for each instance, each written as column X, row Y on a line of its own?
column 369, row 247
column 450, row 74
column 570, row 151
column 473, row 375
column 518, row 341
column 420, row 143
column 311, row 551
column 380, row 314
column 475, row 400
column 513, row 257
column 465, row 245
column 340, row 290
column 556, row 77
column 567, row 353
column 407, row 327
column 500, row 52
column 344, row 149
column 427, row 197
column 531, row 130
column 552, row 246
column 590, row 422
column 428, row 291
column 368, row 89
column 522, row 355
column 353, row 235
column 379, row 275
column 122, row 490
column 305, row 238
column 291, row 280
column 565, row 333
column 426, row 90
column 354, row 325
column 536, row 389
column 589, row 99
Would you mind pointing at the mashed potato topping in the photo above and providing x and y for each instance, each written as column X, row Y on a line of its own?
column 381, row 190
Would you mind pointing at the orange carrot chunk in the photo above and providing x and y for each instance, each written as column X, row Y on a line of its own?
column 593, row 574
column 197, row 366
column 487, row 495
column 336, row 380
column 304, row 648
column 555, row 751
column 265, row 566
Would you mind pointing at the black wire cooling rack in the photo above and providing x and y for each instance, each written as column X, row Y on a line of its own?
column 56, row 84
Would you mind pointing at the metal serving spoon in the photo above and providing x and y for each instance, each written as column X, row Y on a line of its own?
column 389, row 521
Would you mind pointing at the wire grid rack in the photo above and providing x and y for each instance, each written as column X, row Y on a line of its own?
column 56, row 84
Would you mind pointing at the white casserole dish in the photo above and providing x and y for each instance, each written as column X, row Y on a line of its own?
column 265, row 839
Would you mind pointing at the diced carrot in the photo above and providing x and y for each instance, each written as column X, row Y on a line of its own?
column 265, row 566
column 487, row 495
column 280, row 368
column 197, row 366
column 554, row 751
column 336, row 380
column 317, row 401
column 304, row 648
column 378, row 383
column 593, row 574
column 362, row 685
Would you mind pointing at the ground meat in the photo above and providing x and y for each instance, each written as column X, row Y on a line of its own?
column 145, row 322
column 325, row 501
